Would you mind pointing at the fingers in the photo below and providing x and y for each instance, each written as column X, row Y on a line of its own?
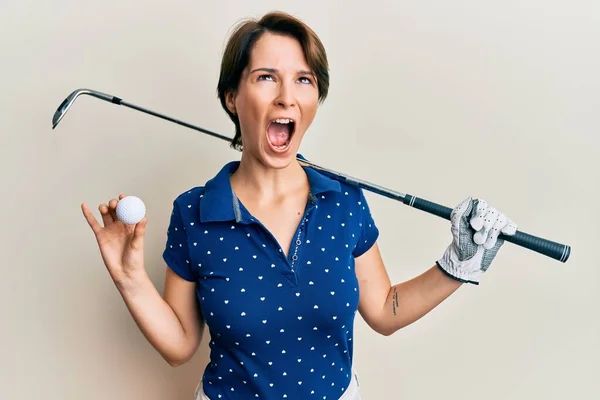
column 479, row 214
column 495, row 231
column 138, row 234
column 91, row 220
column 459, row 211
column 457, row 215
column 489, row 220
column 109, row 211
column 510, row 228
column 488, row 223
column 493, row 223
column 106, row 215
column 112, row 206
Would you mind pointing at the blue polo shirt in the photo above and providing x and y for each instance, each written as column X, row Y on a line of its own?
column 280, row 327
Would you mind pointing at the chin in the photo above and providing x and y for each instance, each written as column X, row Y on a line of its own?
column 278, row 158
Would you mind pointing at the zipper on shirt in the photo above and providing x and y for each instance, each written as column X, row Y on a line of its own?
column 292, row 259
column 301, row 229
column 298, row 242
column 294, row 253
column 293, row 256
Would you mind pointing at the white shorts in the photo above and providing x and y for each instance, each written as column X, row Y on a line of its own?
column 351, row 392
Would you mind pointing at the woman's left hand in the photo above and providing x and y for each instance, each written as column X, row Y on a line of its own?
column 475, row 227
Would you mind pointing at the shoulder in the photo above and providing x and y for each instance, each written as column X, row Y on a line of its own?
column 354, row 201
column 186, row 205
column 353, row 196
column 351, row 191
column 190, row 197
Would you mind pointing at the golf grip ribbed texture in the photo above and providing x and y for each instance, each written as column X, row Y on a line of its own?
column 549, row 248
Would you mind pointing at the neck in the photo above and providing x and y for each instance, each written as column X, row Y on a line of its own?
column 266, row 184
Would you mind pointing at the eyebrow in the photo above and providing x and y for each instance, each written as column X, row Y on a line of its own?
column 273, row 70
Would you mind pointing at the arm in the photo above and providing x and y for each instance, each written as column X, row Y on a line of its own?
column 172, row 322
column 475, row 227
column 386, row 308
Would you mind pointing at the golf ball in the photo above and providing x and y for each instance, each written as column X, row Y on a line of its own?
column 131, row 210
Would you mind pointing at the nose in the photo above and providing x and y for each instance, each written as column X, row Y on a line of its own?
column 286, row 96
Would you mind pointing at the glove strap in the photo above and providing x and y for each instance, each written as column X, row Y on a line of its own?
column 454, row 277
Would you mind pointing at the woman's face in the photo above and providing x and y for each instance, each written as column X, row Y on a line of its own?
column 276, row 101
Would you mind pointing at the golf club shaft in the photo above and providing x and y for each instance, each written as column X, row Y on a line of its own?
column 546, row 247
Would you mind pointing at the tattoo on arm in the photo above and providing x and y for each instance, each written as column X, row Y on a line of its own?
column 395, row 301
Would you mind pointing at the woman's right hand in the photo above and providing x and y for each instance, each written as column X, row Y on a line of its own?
column 121, row 245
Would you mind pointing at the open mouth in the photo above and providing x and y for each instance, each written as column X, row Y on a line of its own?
column 280, row 132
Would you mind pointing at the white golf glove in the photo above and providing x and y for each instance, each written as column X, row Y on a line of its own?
column 475, row 229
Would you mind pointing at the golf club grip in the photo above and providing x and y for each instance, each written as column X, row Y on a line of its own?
column 549, row 248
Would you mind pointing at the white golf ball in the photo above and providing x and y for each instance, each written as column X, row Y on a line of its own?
column 131, row 210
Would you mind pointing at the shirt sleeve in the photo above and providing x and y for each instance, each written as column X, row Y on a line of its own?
column 368, row 230
column 176, row 252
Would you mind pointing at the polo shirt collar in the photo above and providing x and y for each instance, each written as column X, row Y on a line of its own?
column 218, row 202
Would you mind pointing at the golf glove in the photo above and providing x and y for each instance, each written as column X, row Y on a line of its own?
column 475, row 228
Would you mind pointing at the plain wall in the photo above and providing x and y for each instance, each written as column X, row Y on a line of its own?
column 498, row 100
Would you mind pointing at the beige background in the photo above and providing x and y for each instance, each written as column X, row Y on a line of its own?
column 498, row 100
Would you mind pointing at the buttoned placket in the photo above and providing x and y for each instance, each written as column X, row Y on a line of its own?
column 293, row 257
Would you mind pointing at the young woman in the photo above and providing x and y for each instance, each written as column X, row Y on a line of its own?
column 274, row 257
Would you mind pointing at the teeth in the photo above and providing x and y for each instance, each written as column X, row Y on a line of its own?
column 283, row 120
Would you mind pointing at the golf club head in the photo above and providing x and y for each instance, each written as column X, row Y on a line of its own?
column 67, row 102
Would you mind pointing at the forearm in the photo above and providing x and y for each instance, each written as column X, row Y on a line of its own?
column 156, row 319
column 409, row 301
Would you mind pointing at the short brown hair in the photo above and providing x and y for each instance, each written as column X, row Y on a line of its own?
column 237, row 56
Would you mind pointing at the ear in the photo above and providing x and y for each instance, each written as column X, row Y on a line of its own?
column 230, row 101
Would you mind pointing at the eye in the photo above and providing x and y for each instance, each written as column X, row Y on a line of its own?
column 265, row 77
column 304, row 79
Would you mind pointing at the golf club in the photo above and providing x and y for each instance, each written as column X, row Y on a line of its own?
column 546, row 247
